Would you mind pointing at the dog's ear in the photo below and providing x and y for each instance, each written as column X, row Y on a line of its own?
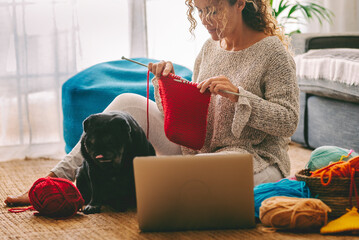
column 128, row 127
column 122, row 123
column 87, row 123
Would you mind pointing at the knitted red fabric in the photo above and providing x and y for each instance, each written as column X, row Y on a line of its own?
column 55, row 197
column 185, row 112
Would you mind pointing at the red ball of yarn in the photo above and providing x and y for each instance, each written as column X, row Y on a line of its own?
column 55, row 197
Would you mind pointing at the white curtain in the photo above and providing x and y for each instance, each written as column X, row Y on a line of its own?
column 44, row 42
column 138, row 28
column 37, row 54
column 345, row 20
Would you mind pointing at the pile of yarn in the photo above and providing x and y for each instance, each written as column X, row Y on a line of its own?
column 294, row 213
column 338, row 169
column 341, row 169
column 55, row 197
column 284, row 187
column 325, row 155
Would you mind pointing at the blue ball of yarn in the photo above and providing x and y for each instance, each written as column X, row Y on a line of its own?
column 284, row 187
column 323, row 156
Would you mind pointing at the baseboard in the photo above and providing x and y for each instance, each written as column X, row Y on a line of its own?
column 48, row 150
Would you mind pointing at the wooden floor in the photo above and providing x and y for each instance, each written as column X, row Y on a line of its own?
column 299, row 156
column 16, row 177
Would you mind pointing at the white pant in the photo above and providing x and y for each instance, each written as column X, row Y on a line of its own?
column 136, row 105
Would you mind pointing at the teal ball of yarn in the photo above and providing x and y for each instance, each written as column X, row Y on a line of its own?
column 284, row 187
column 325, row 155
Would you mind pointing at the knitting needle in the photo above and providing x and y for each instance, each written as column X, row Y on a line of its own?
column 177, row 80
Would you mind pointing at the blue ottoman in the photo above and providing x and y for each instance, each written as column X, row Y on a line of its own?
column 93, row 89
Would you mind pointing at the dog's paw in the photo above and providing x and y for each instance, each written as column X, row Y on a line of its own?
column 89, row 209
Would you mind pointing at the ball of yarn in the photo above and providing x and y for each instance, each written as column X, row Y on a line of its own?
column 55, row 197
column 294, row 213
column 323, row 156
column 284, row 187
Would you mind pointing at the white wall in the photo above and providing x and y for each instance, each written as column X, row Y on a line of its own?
column 168, row 34
column 346, row 17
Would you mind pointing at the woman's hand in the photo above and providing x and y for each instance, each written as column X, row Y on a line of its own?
column 161, row 69
column 217, row 85
column 22, row 199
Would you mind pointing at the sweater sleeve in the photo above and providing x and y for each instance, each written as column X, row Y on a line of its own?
column 277, row 112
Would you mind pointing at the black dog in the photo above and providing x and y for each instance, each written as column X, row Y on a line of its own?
column 109, row 144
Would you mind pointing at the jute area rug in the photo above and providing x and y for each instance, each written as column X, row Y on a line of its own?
column 18, row 175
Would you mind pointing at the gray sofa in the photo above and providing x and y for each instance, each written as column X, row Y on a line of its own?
column 329, row 110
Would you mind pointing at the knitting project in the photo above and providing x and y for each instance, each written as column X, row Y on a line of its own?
column 185, row 111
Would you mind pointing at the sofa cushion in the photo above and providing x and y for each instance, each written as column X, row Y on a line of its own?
column 333, row 123
column 332, row 73
column 300, row 135
column 330, row 89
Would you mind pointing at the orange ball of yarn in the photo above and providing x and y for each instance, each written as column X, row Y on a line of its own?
column 338, row 169
column 293, row 213
column 55, row 197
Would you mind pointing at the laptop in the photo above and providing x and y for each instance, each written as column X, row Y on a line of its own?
column 176, row 193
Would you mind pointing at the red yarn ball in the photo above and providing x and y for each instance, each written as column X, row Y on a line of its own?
column 55, row 197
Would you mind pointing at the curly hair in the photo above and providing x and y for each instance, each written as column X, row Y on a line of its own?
column 257, row 14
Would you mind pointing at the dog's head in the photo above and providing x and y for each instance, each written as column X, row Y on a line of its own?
column 106, row 136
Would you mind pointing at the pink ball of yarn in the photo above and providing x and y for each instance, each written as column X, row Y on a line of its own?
column 55, row 197
column 293, row 213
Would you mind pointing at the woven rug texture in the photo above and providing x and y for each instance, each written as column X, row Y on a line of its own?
column 17, row 176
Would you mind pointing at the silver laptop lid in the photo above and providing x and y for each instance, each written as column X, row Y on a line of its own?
column 194, row 192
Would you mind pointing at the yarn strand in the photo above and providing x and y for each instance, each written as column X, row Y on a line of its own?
column 343, row 156
column 353, row 187
column 19, row 210
column 341, row 169
column 148, row 103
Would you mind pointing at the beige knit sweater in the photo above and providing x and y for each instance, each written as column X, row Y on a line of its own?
column 266, row 113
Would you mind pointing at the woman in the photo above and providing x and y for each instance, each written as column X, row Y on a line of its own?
column 247, row 55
